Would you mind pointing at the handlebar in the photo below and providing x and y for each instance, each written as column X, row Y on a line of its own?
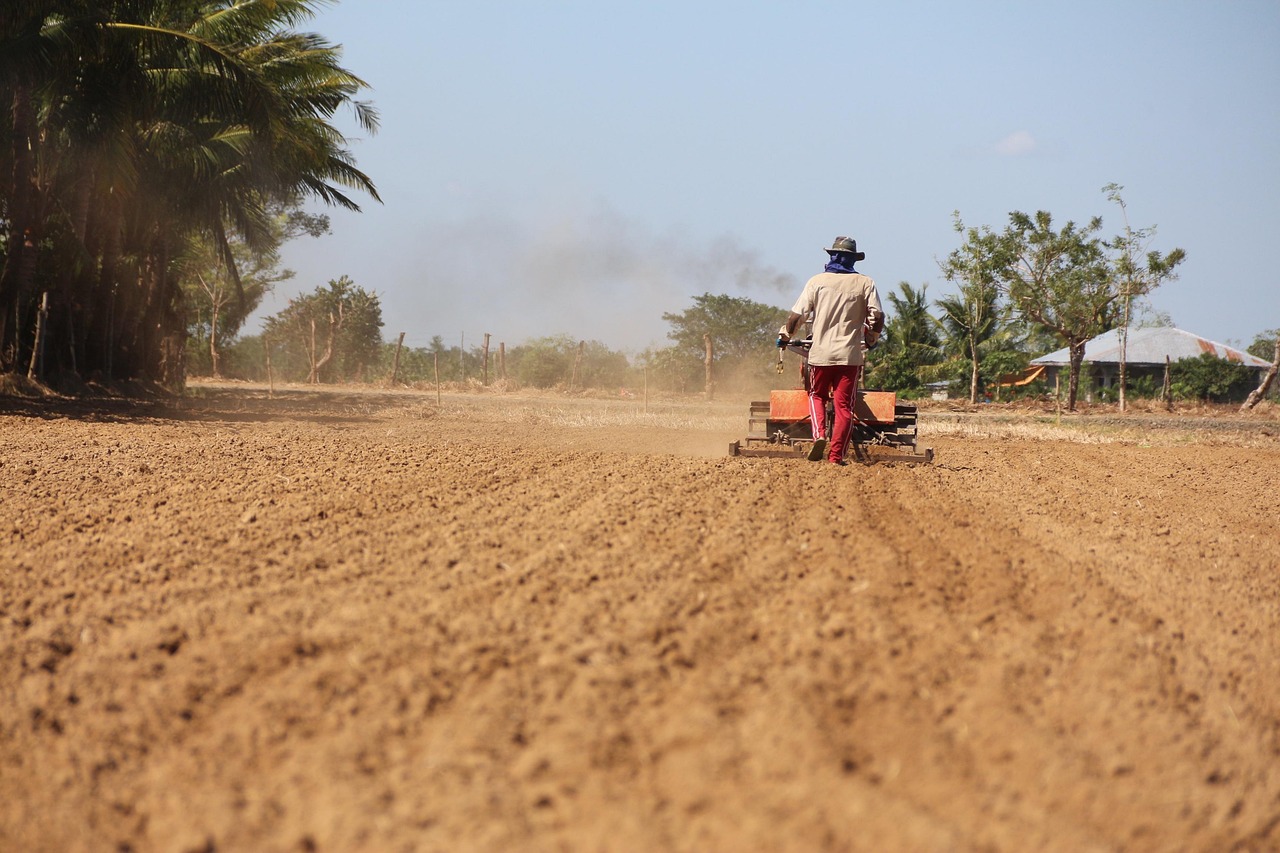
column 803, row 346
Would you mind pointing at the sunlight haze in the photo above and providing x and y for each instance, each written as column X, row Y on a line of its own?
column 580, row 168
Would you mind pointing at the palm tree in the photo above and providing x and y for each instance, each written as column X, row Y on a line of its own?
column 208, row 112
column 968, row 321
column 910, row 341
column 969, row 318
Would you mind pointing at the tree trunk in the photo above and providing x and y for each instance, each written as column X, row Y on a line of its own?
column 973, row 376
column 18, row 271
column 36, row 369
column 173, row 359
column 709, row 386
column 335, row 325
column 1263, row 387
column 214, row 355
column 271, row 379
column 1124, row 346
column 103, row 330
column 395, row 362
column 1076, row 350
column 1124, row 350
column 311, row 354
column 577, row 365
column 158, row 326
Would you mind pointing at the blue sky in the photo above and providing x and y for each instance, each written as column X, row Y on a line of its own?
column 579, row 168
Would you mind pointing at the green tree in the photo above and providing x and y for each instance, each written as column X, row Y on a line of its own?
column 220, row 308
column 1263, row 345
column 742, row 334
column 909, row 344
column 335, row 331
column 544, row 362
column 1137, row 270
column 1010, row 348
column 668, row 368
column 1209, row 378
column 740, row 328
column 551, row 361
column 1059, row 279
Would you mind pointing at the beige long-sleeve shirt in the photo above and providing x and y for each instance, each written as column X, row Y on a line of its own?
column 841, row 303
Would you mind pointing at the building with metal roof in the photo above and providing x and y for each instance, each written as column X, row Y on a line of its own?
column 1146, row 354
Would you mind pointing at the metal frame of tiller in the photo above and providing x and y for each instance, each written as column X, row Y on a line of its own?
column 884, row 430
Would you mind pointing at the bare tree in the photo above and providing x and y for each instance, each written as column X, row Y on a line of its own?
column 1265, row 385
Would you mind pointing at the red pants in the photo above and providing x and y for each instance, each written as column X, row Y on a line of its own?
column 838, row 383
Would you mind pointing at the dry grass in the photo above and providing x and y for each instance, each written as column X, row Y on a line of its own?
column 1140, row 428
column 1020, row 430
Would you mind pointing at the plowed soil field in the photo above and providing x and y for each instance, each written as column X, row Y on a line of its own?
column 366, row 621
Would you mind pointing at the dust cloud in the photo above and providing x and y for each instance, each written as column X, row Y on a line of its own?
column 593, row 275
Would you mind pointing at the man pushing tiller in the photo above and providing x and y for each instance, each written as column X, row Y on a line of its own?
column 847, row 316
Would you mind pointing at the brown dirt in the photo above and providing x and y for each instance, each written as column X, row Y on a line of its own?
column 361, row 622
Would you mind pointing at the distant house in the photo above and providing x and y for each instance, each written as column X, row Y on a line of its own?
column 938, row 390
column 1147, row 350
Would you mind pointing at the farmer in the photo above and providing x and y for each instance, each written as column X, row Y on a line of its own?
column 846, row 318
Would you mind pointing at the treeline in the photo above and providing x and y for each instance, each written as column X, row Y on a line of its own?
column 718, row 344
column 147, row 145
column 924, row 348
column 335, row 334
column 558, row 362
column 1033, row 288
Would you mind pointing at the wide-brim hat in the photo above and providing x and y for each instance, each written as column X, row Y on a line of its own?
column 848, row 245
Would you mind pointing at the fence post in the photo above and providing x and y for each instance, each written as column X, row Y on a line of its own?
column 395, row 363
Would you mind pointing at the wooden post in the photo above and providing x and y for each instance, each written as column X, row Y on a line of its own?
column 395, row 362
column 706, row 341
column 36, row 367
column 271, row 382
column 436, row 361
column 484, row 380
column 1166, row 393
column 502, row 361
column 1057, row 391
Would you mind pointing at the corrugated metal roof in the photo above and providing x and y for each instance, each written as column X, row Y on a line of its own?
column 1150, row 346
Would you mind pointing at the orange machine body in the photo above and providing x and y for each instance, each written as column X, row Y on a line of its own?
column 873, row 407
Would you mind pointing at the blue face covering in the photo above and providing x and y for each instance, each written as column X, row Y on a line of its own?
column 841, row 262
